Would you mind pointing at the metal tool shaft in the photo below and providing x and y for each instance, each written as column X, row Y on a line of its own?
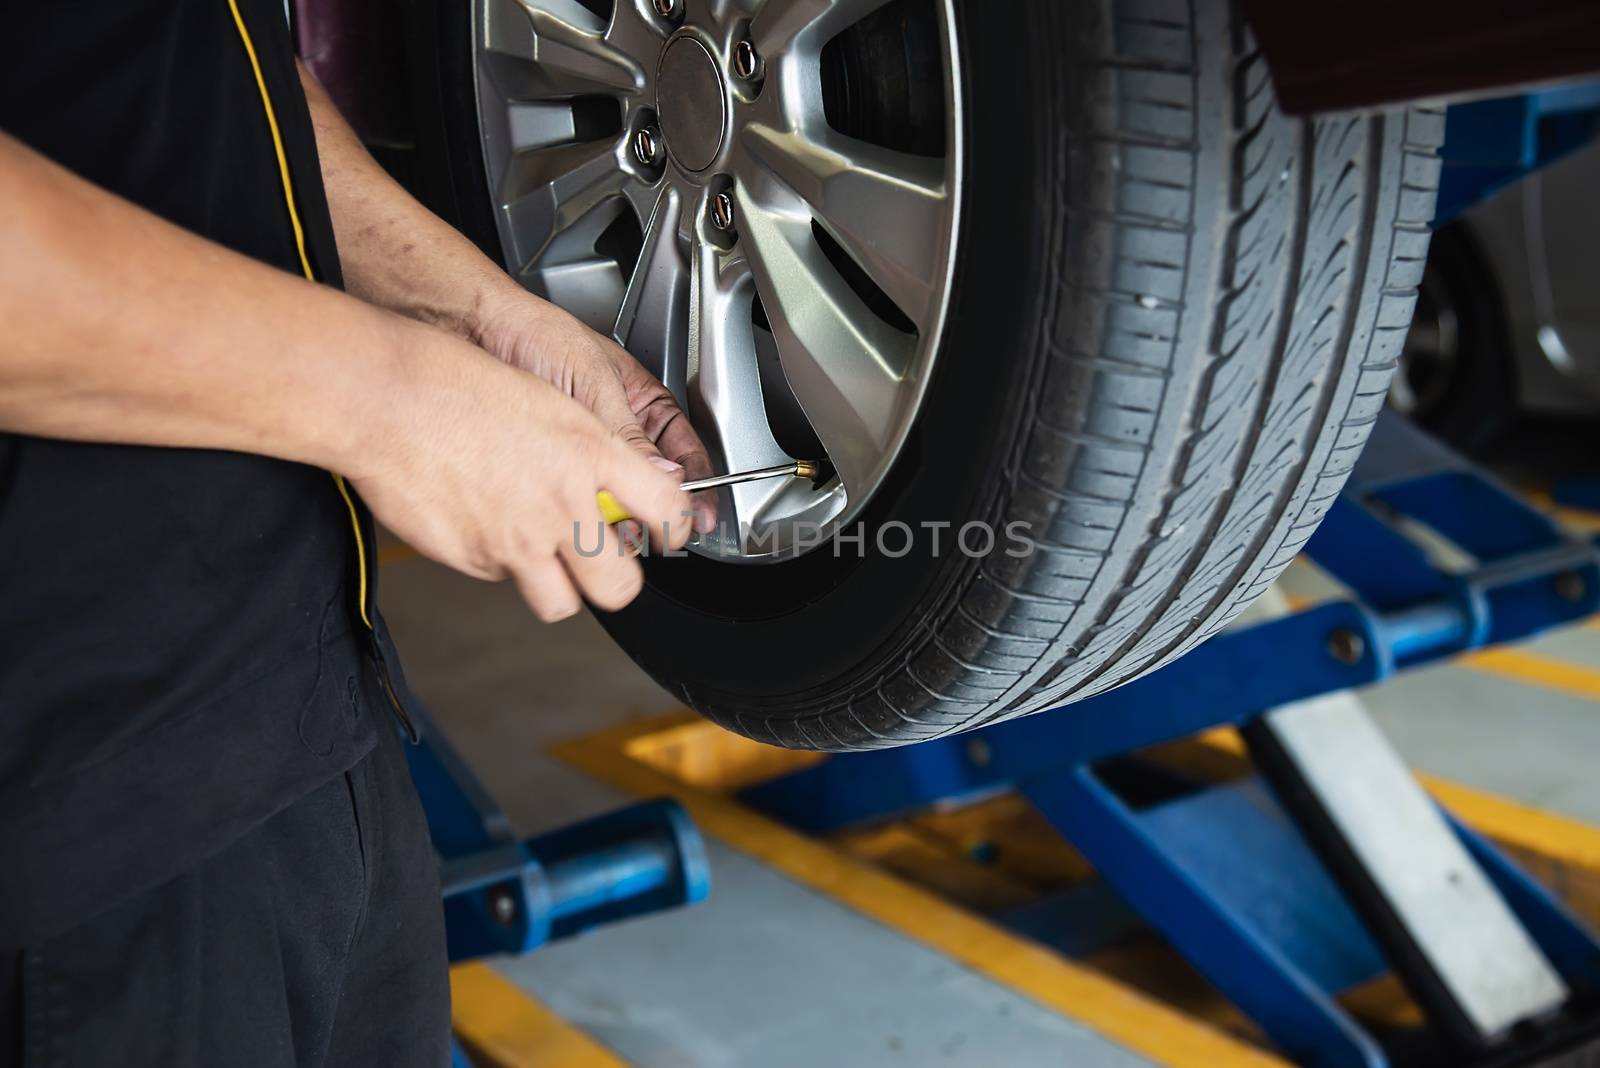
column 611, row 509
column 799, row 469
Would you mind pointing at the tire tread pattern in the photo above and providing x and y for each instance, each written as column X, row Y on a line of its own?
column 1206, row 379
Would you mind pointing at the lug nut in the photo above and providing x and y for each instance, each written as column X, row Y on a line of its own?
column 722, row 212
column 666, row 8
column 746, row 60
column 646, row 145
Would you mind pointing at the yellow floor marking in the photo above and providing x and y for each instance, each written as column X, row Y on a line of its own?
column 932, row 862
column 1109, row 992
column 699, row 753
column 1113, row 1009
column 1520, row 666
column 505, row 1028
column 1384, row 1001
column 1579, row 519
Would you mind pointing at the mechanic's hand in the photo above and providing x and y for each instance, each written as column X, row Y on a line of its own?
column 494, row 472
column 535, row 335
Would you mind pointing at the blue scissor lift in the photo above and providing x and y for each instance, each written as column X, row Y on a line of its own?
column 1327, row 869
column 1331, row 866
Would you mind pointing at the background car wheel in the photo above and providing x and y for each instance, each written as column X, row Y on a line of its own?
column 1456, row 375
column 1080, row 283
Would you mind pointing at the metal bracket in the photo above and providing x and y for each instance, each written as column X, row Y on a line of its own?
column 505, row 895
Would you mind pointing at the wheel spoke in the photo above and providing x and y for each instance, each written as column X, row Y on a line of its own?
column 784, row 24
column 887, row 209
column 724, row 391
column 539, row 124
column 566, row 40
column 590, row 288
column 845, row 366
column 633, row 34
column 651, row 323
column 547, row 191
column 716, row 12
column 644, row 199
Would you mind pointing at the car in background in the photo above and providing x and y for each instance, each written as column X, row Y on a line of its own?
column 1507, row 324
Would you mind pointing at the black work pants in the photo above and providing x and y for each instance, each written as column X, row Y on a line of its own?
column 316, row 939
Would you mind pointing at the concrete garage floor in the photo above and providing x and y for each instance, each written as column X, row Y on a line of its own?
column 770, row 972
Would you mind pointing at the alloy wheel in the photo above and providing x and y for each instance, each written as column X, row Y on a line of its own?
column 759, row 201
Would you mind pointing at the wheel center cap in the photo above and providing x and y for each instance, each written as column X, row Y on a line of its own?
column 689, row 101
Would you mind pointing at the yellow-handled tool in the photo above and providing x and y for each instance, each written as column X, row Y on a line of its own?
column 613, row 512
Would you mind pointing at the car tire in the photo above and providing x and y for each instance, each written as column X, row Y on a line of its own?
column 1174, row 317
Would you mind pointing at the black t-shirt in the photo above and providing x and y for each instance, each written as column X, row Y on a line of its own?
column 181, row 653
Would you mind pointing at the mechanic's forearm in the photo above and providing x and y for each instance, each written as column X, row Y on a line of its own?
column 118, row 326
column 395, row 252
